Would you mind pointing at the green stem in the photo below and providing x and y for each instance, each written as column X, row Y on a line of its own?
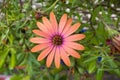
column 51, row 6
column 111, row 32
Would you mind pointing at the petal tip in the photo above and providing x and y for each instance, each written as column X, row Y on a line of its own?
column 32, row 50
column 70, row 19
column 38, row 59
column 57, row 67
column 52, row 12
column 69, row 64
column 31, row 39
column 47, row 65
column 34, row 31
column 43, row 18
column 78, row 56
column 83, row 36
column 83, row 48
column 37, row 22
column 79, row 23
column 65, row 14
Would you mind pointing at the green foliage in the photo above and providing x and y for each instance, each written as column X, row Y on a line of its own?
column 18, row 19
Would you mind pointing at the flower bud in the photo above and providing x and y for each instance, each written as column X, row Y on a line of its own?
column 116, row 42
column 63, row 0
column 37, row 15
column 114, row 37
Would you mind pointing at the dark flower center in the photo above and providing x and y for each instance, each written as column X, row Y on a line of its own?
column 57, row 40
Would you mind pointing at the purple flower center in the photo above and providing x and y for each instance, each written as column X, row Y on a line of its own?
column 57, row 40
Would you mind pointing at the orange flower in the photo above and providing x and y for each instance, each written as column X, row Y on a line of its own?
column 57, row 41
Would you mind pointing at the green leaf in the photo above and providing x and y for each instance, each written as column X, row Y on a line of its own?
column 56, row 77
column 33, row 59
column 114, row 67
column 26, row 78
column 11, row 38
column 20, row 58
column 3, row 56
column 101, row 33
column 99, row 74
column 95, row 13
column 72, row 62
column 81, row 70
column 16, row 77
column 12, row 59
column 2, row 24
column 91, row 59
column 92, row 67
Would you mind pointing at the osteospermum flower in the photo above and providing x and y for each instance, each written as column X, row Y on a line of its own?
column 56, row 40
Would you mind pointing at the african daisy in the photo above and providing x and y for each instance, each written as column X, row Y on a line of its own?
column 56, row 40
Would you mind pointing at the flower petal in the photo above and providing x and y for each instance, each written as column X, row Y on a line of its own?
column 64, row 57
column 40, row 47
column 72, row 29
column 48, row 24
column 75, row 37
column 39, row 40
column 74, row 45
column 42, row 27
column 71, row 52
column 53, row 21
column 57, row 58
column 41, row 33
column 50, row 57
column 62, row 23
column 44, row 53
column 67, row 26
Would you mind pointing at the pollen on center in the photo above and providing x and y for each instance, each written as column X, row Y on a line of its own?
column 57, row 40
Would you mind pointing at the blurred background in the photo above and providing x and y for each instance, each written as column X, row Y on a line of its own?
column 99, row 61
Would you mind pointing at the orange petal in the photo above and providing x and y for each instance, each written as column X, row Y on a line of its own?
column 64, row 57
column 75, row 37
column 42, row 27
column 40, row 47
column 72, row 29
column 57, row 58
column 50, row 58
column 41, row 33
column 62, row 23
column 67, row 26
column 74, row 45
column 44, row 53
column 39, row 40
column 48, row 24
column 71, row 52
column 53, row 21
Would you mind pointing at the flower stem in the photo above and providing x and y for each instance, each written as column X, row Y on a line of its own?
column 111, row 32
column 51, row 6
